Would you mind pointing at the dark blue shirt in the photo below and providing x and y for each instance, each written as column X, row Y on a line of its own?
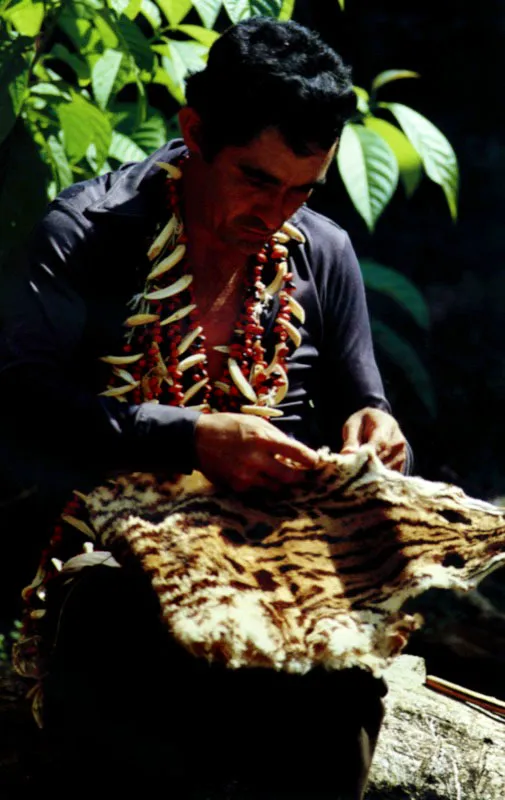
column 64, row 303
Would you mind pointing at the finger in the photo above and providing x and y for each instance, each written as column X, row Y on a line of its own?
column 397, row 463
column 394, row 457
column 296, row 451
column 282, row 472
column 351, row 434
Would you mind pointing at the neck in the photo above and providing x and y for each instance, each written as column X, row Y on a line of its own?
column 206, row 251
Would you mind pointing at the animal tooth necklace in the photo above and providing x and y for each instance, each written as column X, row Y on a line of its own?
column 165, row 344
column 164, row 360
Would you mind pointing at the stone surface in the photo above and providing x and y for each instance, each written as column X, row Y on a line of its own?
column 433, row 747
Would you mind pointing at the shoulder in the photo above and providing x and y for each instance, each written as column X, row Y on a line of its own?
column 324, row 238
column 327, row 253
column 126, row 194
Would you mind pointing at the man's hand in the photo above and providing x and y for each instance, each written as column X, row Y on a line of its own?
column 381, row 431
column 246, row 452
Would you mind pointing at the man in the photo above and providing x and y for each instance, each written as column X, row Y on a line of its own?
column 260, row 131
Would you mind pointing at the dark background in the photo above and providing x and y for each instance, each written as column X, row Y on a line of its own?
column 459, row 51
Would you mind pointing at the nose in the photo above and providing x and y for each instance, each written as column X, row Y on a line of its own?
column 273, row 210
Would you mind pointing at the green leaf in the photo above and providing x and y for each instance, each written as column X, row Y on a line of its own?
column 238, row 10
column 124, row 149
column 363, row 99
column 130, row 8
column 208, row 11
column 103, row 76
column 202, row 35
column 152, row 134
column 78, row 30
column 14, row 73
column 151, row 12
column 409, row 162
column 175, row 10
column 26, row 16
column 108, row 28
column 399, row 288
column 61, row 168
column 401, row 353
column 369, row 170
column 86, row 9
column 437, row 155
column 287, row 9
column 79, row 65
column 137, row 44
column 84, row 124
column 392, row 75
column 179, row 58
column 119, row 6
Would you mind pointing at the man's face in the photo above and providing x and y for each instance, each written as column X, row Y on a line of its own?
column 252, row 189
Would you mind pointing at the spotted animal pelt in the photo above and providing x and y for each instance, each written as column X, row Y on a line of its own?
column 312, row 575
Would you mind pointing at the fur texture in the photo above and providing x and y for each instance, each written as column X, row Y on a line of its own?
column 313, row 575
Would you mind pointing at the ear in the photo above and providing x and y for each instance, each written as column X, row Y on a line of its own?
column 191, row 128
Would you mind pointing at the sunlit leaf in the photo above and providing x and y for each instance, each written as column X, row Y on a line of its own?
column 130, row 8
column 108, row 28
column 202, row 35
column 392, row 283
column 401, row 353
column 175, row 10
column 409, row 161
column 14, row 73
column 59, row 162
column 238, row 10
column 152, row 134
column 208, row 11
column 369, row 170
column 392, row 75
column 438, row 157
column 178, row 59
column 119, row 6
column 287, row 8
column 78, row 30
column 124, row 149
column 82, row 124
column 151, row 12
column 103, row 76
column 26, row 16
column 79, row 65
column 363, row 99
column 138, row 44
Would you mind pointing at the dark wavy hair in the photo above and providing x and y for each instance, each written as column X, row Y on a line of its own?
column 264, row 73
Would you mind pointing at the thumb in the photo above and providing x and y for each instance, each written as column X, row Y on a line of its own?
column 351, row 438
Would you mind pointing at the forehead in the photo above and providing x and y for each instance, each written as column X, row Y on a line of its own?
column 269, row 153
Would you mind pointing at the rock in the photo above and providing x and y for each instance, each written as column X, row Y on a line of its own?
column 433, row 747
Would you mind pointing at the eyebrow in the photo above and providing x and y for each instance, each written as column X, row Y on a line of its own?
column 266, row 177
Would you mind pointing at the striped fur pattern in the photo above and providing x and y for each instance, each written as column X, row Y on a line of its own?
column 314, row 575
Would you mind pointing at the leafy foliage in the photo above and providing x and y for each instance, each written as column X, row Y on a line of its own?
column 370, row 165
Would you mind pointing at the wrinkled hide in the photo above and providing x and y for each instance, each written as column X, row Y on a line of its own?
column 314, row 575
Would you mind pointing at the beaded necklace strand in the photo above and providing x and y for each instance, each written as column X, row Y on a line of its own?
column 165, row 345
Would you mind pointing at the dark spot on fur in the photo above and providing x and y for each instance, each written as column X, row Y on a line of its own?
column 294, row 587
column 454, row 516
column 265, row 580
column 287, row 567
column 233, row 535
column 453, row 560
column 236, row 566
column 259, row 531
